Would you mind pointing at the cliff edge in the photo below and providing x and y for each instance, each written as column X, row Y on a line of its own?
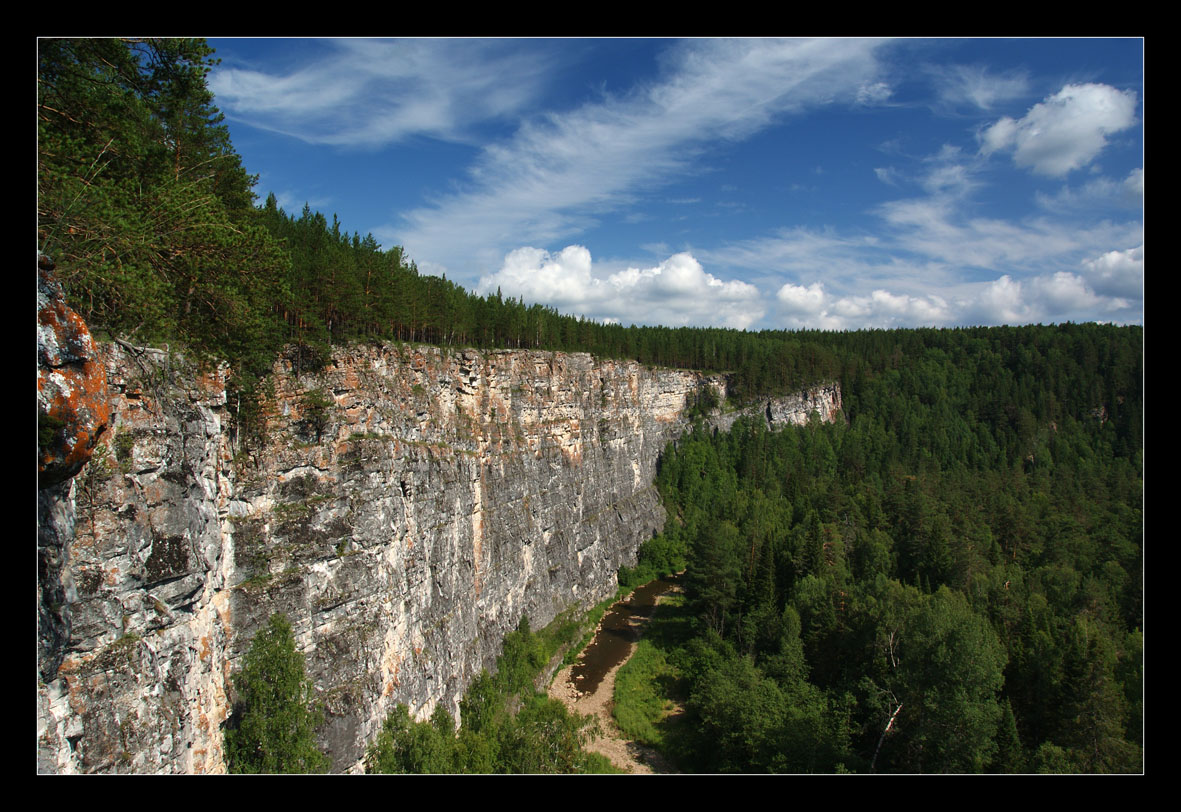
column 408, row 506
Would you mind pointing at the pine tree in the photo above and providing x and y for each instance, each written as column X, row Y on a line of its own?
column 144, row 204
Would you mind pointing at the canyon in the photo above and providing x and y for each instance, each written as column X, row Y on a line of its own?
column 405, row 507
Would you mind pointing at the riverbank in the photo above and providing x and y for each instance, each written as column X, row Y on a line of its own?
column 599, row 700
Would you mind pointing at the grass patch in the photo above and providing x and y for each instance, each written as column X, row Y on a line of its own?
column 649, row 687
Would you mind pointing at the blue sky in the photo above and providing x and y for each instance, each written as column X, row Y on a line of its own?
column 749, row 183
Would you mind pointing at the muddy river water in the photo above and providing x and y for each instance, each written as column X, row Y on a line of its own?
column 588, row 686
column 618, row 631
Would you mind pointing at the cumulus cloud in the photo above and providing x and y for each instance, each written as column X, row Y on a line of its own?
column 1067, row 131
column 1063, row 293
column 563, row 280
column 1001, row 302
column 798, row 300
column 1117, row 273
column 675, row 292
column 1056, row 297
column 812, row 307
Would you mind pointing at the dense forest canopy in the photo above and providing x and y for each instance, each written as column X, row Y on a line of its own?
column 947, row 579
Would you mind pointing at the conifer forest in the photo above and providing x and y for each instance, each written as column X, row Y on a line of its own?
column 946, row 579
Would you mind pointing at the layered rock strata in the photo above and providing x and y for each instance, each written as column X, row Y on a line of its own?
column 821, row 402
column 408, row 507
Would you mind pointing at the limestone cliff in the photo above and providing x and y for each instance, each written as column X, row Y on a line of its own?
column 821, row 402
column 410, row 505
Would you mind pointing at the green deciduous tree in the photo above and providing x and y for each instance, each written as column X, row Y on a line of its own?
column 406, row 746
column 272, row 729
column 946, row 674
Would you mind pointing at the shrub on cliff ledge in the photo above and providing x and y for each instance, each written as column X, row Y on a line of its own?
column 273, row 726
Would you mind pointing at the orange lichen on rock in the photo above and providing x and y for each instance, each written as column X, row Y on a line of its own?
column 73, row 408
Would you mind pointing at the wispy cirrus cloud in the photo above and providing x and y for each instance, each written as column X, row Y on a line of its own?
column 560, row 172
column 976, row 86
column 1097, row 193
column 942, row 236
column 371, row 93
column 932, row 262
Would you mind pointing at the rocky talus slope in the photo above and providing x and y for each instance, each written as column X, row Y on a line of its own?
column 408, row 507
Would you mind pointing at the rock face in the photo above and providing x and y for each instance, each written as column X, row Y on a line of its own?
column 409, row 506
column 73, row 412
column 72, row 407
column 821, row 402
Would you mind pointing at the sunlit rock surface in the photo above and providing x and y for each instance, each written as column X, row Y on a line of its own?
column 72, row 406
column 410, row 505
column 73, row 412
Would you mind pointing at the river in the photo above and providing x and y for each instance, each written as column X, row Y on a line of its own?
column 588, row 686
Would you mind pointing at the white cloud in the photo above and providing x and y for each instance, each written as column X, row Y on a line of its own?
column 800, row 300
column 1117, row 273
column 934, row 227
column 1000, row 135
column 873, row 93
column 1057, row 297
column 811, row 307
column 561, row 171
column 1097, row 194
column 375, row 92
column 974, row 85
column 1066, row 131
column 1063, row 293
column 921, row 268
column 1001, row 302
column 675, row 292
column 949, row 178
column 1134, row 184
column 563, row 280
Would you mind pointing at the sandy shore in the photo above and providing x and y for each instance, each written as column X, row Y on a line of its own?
column 623, row 753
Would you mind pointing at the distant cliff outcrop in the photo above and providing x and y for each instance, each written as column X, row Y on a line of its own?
column 820, row 402
column 409, row 505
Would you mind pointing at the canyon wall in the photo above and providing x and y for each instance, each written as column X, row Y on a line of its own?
column 408, row 506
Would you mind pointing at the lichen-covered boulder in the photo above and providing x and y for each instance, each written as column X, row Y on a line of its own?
column 73, row 409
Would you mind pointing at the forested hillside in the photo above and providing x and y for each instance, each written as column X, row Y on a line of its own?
column 951, row 581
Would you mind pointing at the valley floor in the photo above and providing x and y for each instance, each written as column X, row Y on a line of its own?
column 625, row 754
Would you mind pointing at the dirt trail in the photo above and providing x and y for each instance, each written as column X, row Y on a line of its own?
column 623, row 753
